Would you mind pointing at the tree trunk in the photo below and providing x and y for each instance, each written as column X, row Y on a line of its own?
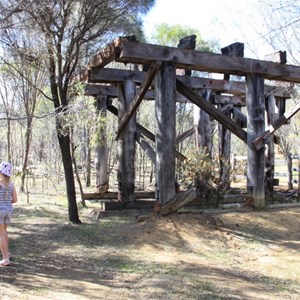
column 101, row 159
column 26, row 154
column 65, row 147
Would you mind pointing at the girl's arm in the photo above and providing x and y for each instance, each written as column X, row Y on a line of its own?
column 14, row 196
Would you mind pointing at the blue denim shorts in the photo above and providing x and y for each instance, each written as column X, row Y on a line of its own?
column 5, row 216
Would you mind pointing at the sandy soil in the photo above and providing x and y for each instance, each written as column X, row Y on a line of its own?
column 197, row 255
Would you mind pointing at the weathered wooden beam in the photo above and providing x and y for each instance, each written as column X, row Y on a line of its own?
column 211, row 110
column 240, row 116
column 97, row 90
column 270, row 151
column 263, row 138
column 110, row 52
column 226, row 99
column 114, row 195
column 184, row 135
column 277, row 57
column 178, row 201
column 107, row 75
column 255, row 126
column 144, row 131
column 155, row 66
column 126, row 145
column 235, row 49
column 207, row 62
column 165, row 113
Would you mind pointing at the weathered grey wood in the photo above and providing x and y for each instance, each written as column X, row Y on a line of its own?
column 101, row 152
column 211, row 110
column 277, row 57
column 207, row 62
column 240, row 117
column 184, row 135
column 107, row 75
column 226, row 99
column 270, row 152
column 224, row 143
column 178, row 201
column 202, row 126
column 144, row 131
column 235, row 49
column 139, row 95
column 256, row 125
column 264, row 137
column 165, row 111
column 126, row 144
column 114, row 195
column 188, row 42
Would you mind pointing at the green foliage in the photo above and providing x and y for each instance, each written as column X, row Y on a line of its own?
column 169, row 35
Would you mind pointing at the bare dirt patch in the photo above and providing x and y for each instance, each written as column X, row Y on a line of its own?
column 203, row 255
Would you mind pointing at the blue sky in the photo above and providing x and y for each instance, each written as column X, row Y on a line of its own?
column 222, row 20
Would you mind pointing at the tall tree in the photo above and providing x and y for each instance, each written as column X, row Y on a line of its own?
column 66, row 31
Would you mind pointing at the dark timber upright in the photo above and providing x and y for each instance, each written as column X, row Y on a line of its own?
column 126, row 144
column 165, row 110
column 256, row 125
column 270, row 154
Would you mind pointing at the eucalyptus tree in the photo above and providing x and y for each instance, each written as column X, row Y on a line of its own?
column 65, row 32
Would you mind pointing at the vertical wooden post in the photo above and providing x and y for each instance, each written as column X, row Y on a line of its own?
column 202, row 125
column 290, row 171
column 165, row 110
column 224, row 153
column 126, row 144
column 270, row 157
column 101, row 155
column 255, row 99
column 235, row 49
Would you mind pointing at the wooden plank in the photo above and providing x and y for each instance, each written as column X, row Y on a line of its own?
column 270, row 151
column 110, row 52
column 235, row 49
column 256, row 125
column 165, row 113
column 240, row 116
column 184, row 135
column 107, row 75
column 226, row 99
column 178, row 201
column 278, row 57
column 263, row 138
column 155, row 66
column 126, row 145
column 114, row 195
column 211, row 110
column 207, row 62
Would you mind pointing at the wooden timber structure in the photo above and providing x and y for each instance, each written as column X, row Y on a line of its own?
column 156, row 75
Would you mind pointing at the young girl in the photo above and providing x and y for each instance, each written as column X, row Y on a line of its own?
column 8, row 195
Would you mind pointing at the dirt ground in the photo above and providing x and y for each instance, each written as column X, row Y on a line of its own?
column 226, row 254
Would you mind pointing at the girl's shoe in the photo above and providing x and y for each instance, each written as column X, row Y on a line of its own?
column 4, row 262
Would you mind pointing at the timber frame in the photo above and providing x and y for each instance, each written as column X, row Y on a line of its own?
column 154, row 75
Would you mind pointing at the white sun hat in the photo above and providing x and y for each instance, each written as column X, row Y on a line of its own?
column 6, row 168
